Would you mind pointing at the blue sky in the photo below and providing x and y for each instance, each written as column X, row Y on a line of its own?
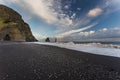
column 71, row 20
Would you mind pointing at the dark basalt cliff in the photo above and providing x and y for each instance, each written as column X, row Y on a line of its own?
column 12, row 26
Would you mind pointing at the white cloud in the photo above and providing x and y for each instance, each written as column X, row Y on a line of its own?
column 102, row 34
column 110, row 6
column 66, row 7
column 51, row 12
column 95, row 12
column 74, row 14
column 48, row 10
column 42, row 10
column 92, row 32
column 74, row 31
column 87, row 33
column 103, row 30
column 78, row 9
column 114, row 2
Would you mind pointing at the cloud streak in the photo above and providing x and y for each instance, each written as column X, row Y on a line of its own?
column 75, row 31
column 99, row 35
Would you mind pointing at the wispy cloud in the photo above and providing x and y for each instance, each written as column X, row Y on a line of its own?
column 47, row 10
column 51, row 12
column 105, row 33
column 110, row 6
column 102, row 34
column 75, row 31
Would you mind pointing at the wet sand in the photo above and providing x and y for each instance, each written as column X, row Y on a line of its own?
column 28, row 61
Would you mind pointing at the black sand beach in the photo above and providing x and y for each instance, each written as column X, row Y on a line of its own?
column 28, row 61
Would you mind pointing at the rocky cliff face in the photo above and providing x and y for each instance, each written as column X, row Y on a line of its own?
column 12, row 26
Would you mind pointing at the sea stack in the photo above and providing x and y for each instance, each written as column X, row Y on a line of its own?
column 13, row 27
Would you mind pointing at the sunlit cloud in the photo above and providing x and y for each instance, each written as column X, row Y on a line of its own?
column 95, row 12
column 74, row 31
column 104, row 34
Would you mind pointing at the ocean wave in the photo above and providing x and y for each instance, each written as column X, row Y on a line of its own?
column 93, row 44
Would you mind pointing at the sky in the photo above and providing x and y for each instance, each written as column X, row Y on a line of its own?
column 70, row 20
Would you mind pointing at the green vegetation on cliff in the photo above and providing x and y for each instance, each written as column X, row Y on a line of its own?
column 12, row 24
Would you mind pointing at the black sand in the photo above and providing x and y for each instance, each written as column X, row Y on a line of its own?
column 26, row 61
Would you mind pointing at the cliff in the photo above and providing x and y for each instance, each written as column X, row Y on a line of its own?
column 13, row 27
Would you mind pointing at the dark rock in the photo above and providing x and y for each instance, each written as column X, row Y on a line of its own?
column 47, row 39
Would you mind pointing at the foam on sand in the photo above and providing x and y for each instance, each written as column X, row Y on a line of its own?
column 93, row 48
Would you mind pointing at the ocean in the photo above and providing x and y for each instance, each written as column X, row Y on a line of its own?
column 109, row 43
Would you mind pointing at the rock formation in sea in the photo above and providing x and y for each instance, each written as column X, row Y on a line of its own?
column 13, row 27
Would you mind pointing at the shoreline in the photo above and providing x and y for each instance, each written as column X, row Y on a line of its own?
column 26, row 61
column 88, row 48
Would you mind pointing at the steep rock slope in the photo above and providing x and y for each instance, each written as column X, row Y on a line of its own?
column 12, row 26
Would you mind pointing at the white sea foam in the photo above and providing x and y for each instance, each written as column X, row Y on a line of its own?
column 93, row 48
